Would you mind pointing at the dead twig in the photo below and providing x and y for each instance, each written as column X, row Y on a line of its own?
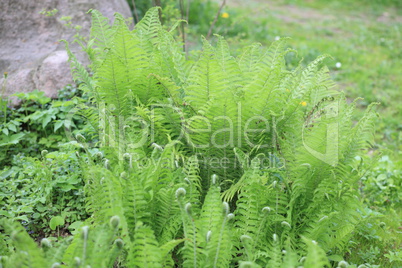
column 135, row 17
column 158, row 3
column 188, row 9
column 216, row 18
column 183, row 34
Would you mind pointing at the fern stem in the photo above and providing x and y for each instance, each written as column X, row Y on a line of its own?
column 186, row 233
column 194, row 244
column 220, row 240
column 244, row 239
column 264, row 219
column 85, row 230
column 186, row 215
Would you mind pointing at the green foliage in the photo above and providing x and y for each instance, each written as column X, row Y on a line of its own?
column 279, row 145
column 201, row 15
column 37, row 124
column 381, row 187
column 378, row 231
column 34, row 191
column 55, row 222
column 85, row 249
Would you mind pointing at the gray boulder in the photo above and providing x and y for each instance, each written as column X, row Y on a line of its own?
column 30, row 51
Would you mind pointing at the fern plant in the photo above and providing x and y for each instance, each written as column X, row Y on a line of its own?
column 83, row 251
column 214, row 161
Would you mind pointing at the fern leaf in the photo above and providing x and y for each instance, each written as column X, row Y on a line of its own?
column 149, row 26
column 308, row 78
column 104, row 196
column 28, row 254
column 275, row 254
column 249, row 61
column 101, row 31
column 167, row 222
column 144, row 251
column 316, row 257
column 206, row 79
column 168, row 247
column 135, row 203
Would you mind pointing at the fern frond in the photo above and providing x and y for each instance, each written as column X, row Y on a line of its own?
column 165, row 250
column 275, row 254
column 190, row 252
column 251, row 219
column 361, row 134
column 102, row 35
column 211, row 214
column 104, row 196
column 167, row 222
column 149, row 26
column 144, row 251
column 230, row 68
column 101, row 31
column 113, row 86
column 192, row 170
column 206, row 81
column 93, row 242
column 81, row 75
column 249, row 61
column 290, row 258
column 308, row 78
column 223, row 249
column 28, row 254
column 135, row 202
column 316, row 257
column 56, row 254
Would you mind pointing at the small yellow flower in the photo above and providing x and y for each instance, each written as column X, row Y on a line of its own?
column 225, row 15
column 5, row 74
column 303, row 103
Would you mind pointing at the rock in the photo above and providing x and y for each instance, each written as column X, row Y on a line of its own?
column 21, row 79
column 53, row 73
column 31, row 53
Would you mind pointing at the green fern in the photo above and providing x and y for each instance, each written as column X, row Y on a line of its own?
column 28, row 254
column 84, row 250
column 144, row 252
column 316, row 257
column 204, row 110
column 281, row 141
